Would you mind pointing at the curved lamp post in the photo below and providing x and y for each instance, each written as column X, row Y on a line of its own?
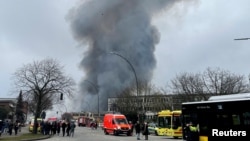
column 137, row 87
column 245, row 39
column 96, row 88
column 131, row 68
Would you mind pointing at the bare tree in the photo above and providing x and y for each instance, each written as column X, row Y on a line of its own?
column 219, row 82
column 187, row 83
column 41, row 83
column 212, row 81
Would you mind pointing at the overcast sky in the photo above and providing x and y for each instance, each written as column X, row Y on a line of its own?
column 192, row 38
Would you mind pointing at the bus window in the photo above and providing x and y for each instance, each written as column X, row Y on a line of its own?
column 161, row 122
column 176, row 122
column 164, row 122
column 223, row 120
column 246, row 118
column 168, row 122
column 236, row 119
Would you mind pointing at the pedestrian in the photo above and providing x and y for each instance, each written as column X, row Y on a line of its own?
column 131, row 128
column 96, row 124
column 72, row 128
column 19, row 126
column 63, row 128
column 192, row 132
column 1, row 127
column 42, row 127
column 54, row 127
column 10, row 127
column 145, row 130
column 16, row 127
column 138, row 130
column 50, row 128
column 68, row 128
column 47, row 128
column 58, row 127
column 6, row 127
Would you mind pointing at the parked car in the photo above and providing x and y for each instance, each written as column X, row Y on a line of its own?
column 153, row 129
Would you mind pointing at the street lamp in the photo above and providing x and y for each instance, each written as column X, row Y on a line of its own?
column 242, row 39
column 131, row 68
column 96, row 88
column 245, row 39
column 137, row 87
column 249, row 82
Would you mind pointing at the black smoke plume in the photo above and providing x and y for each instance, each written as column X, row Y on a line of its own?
column 120, row 26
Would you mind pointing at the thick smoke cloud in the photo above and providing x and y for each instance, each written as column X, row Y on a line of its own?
column 121, row 26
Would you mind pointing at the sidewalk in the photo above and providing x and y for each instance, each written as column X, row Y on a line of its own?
column 24, row 130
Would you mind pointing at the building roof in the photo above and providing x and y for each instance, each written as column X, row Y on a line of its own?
column 8, row 99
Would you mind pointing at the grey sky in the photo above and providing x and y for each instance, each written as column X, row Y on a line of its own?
column 191, row 38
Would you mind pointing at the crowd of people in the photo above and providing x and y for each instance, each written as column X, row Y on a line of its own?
column 58, row 127
column 65, row 128
column 7, row 127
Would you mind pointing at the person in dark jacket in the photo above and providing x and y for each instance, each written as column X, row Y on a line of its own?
column 72, row 128
column 138, row 130
column 67, row 128
column 58, row 128
column 16, row 127
column 54, row 127
column 10, row 128
column 145, row 130
column 47, row 128
column 1, row 127
column 42, row 127
column 192, row 132
column 63, row 128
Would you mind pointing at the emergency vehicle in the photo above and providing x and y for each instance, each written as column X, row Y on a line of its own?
column 116, row 124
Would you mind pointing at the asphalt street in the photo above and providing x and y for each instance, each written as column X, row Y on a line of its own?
column 88, row 134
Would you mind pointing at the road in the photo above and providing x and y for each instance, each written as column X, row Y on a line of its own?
column 87, row 134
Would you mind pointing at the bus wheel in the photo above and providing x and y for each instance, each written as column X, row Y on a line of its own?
column 156, row 133
column 115, row 133
column 175, row 137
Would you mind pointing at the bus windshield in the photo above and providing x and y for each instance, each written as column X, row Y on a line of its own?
column 164, row 122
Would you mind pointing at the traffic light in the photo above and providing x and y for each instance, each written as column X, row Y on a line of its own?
column 61, row 97
column 43, row 115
